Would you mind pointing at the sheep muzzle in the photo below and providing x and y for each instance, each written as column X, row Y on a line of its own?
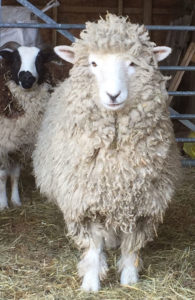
column 26, row 79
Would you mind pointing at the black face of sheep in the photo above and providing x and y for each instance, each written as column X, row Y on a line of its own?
column 26, row 63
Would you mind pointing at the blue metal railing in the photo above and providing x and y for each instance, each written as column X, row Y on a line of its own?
column 177, row 68
column 63, row 29
column 54, row 25
column 45, row 18
column 182, row 93
column 185, row 140
column 188, row 162
column 183, row 116
column 182, row 119
column 170, row 27
column 43, row 26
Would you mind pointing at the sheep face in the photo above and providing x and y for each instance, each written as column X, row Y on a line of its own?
column 27, row 64
column 27, row 74
column 114, row 73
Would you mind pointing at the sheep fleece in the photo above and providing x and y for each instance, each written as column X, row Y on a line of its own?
column 115, row 168
column 18, row 134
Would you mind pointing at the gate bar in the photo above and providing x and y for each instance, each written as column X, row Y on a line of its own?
column 186, row 123
column 176, row 68
column 54, row 25
column 188, row 162
column 185, row 140
column 183, row 116
column 182, row 93
column 170, row 27
column 45, row 18
column 43, row 26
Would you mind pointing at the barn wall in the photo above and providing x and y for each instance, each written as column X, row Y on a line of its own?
column 141, row 11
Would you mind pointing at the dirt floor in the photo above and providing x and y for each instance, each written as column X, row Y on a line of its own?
column 39, row 262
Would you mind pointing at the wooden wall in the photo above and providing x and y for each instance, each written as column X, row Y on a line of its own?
column 140, row 11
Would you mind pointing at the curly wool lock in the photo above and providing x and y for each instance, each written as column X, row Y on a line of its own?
column 115, row 36
column 20, row 132
column 118, row 168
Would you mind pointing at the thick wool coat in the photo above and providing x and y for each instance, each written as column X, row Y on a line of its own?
column 18, row 134
column 115, row 168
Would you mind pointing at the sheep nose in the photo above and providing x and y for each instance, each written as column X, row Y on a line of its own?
column 113, row 97
column 27, row 79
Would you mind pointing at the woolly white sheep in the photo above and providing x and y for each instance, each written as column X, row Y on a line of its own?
column 106, row 150
column 23, row 98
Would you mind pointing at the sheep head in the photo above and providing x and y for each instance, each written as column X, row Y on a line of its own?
column 26, row 63
column 115, row 51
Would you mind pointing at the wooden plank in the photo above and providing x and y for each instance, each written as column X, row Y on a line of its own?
column 54, row 32
column 120, row 7
column 177, row 40
column 185, row 62
column 126, row 10
column 166, row 11
column 97, row 9
column 193, row 58
column 147, row 12
column 85, row 9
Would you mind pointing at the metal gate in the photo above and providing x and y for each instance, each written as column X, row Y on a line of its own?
column 63, row 29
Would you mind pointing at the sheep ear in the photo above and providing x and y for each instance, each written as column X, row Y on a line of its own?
column 47, row 54
column 7, row 55
column 65, row 52
column 161, row 52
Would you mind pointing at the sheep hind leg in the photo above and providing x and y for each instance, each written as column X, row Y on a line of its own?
column 3, row 193
column 93, row 266
column 15, row 174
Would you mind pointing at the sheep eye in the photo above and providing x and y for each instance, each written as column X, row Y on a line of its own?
column 94, row 64
column 132, row 64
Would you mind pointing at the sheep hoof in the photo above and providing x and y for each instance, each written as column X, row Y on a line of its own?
column 3, row 206
column 16, row 202
column 129, row 276
column 90, row 283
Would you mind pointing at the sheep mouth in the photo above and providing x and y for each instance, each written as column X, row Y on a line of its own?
column 114, row 106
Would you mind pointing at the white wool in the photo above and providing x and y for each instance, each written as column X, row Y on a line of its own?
column 18, row 135
column 109, row 170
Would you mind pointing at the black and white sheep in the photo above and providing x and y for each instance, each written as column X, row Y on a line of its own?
column 24, row 94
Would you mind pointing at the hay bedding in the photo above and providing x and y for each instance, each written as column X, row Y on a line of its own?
column 38, row 261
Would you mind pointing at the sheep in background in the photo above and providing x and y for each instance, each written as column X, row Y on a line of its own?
column 106, row 150
column 23, row 98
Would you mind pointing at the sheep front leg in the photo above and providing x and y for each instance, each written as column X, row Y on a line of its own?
column 93, row 266
column 128, row 264
column 89, row 270
column 3, row 193
column 15, row 174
